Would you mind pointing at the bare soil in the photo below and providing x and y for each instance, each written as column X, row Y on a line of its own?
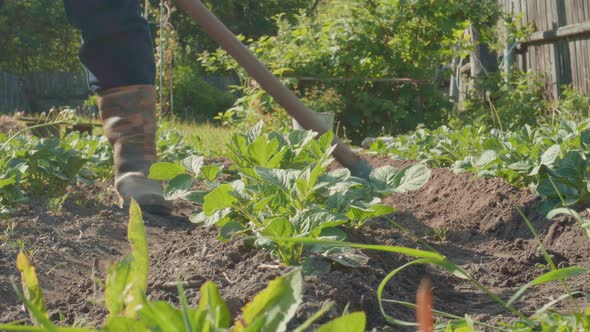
column 473, row 221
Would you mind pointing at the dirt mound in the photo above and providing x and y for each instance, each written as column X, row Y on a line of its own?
column 473, row 221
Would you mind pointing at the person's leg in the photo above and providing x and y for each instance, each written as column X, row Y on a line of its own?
column 117, row 48
column 117, row 53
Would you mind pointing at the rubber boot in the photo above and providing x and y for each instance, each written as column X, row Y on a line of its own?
column 128, row 116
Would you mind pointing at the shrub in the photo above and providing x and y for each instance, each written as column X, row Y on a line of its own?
column 573, row 105
column 505, row 102
column 195, row 99
column 355, row 40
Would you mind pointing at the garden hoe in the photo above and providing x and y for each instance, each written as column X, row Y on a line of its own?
column 270, row 83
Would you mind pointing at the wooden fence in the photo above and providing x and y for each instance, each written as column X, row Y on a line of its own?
column 12, row 97
column 560, row 46
column 38, row 92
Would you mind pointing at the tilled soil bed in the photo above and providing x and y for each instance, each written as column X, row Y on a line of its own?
column 473, row 221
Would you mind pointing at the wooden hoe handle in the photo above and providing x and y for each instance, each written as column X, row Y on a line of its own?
column 270, row 83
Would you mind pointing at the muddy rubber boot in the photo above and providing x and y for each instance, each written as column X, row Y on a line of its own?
column 128, row 116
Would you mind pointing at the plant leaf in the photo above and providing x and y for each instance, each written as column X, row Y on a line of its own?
column 161, row 316
column 567, row 211
column 549, row 156
column 274, row 306
column 572, row 167
column 164, row 171
column 203, row 220
column 7, row 182
column 116, row 284
column 278, row 228
column 395, row 249
column 31, row 287
column 193, row 164
column 554, row 275
column 210, row 172
column 179, row 187
column 314, row 265
column 218, row 199
column 382, row 179
column 311, row 222
column 354, row 322
column 139, row 266
column 217, row 311
column 411, row 178
column 229, row 229
column 485, row 158
column 283, row 179
column 262, row 150
column 124, row 324
column 349, row 257
column 197, row 197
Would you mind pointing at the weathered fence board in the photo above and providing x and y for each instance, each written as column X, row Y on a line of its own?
column 560, row 46
column 54, row 89
column 11, row 94
column 56, row 84
column 38, row 92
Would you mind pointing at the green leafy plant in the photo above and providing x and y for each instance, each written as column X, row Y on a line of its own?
column 573, row 105
column 544, row 319
column 284, row 189
column 253, row 105
column 48, row 166
column 95, row 150
column 505, row 101
column 30, row 165
column 565, row 184
column 129, row 309
column 171, row 146
column 551, row 159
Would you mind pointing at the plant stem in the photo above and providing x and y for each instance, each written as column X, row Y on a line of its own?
column 548, row 257
column 20, row 132
column 463, row 272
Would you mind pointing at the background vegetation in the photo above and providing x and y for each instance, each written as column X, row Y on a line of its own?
column 350, row 49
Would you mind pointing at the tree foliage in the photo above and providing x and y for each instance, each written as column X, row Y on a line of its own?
column 250, row 18
column 358, row 39
column 37, row 37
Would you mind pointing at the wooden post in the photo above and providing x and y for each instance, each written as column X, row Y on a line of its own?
column 475, row 60
column 420, row 109
column 454, row 82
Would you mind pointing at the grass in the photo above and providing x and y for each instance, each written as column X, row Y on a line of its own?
column 210, row 139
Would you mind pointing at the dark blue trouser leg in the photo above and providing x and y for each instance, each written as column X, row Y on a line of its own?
column 117, row 48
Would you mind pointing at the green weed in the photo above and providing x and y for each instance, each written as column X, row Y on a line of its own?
column 130, row 310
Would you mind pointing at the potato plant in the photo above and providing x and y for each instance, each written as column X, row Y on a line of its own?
column 31, row 167
column 553, row 160
column 283, row 189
